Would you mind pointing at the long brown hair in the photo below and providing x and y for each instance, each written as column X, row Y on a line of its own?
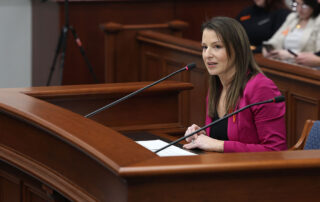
column 236, row 41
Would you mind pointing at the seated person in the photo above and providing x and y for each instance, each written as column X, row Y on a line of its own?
column 235, row 81
column 309, row 58
column 262, row 20
column 299, row 33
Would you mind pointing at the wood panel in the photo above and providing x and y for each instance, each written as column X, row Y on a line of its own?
column 86, row 16
column 197, row 12
column 302, row 109
column 162, row 100
column 161, row 54
column 18, row 186
column 10, row 186
column 120, row 48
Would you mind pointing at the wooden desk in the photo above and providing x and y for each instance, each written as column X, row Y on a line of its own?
column 48, row 153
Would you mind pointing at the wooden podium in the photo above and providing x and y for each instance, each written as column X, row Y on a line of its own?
column 50, row 152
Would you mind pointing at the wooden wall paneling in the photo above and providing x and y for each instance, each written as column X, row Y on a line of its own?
column 255, row 182
column 125, row 56
column 18, row 186
column 110, row 57
column 285, row 93
column 197, row 12
column 151, row 68
column 197, row 98
column 177, row 52
column 122, row 57
column 9, row 187
column 86, row 16
column 32, row 193
column 156, row 107
column 155, row 67
column 240, row 190
column 302, row 108
column 184, row 99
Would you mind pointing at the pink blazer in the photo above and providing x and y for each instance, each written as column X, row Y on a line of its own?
column 258, row 128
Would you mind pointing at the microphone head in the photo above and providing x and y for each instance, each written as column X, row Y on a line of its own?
column 280, row 98
column 190, row 66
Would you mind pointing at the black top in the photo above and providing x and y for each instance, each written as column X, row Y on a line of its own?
column 260, row 24
column 219, row 130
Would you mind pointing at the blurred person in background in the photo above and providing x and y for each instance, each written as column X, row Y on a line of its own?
column 299, row 33
column 309, row 58
column 262, row 20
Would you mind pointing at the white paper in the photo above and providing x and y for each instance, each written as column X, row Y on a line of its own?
column 154, row 145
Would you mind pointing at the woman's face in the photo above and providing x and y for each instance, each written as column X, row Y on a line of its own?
column 304, row 10
column 261, row 3
column 215, row 55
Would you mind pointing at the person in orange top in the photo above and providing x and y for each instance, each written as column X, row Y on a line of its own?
column 262, row 20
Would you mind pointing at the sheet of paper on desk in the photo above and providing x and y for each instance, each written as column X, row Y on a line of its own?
column 154, row 145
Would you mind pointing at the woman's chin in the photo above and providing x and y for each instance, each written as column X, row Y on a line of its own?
column 212, row 73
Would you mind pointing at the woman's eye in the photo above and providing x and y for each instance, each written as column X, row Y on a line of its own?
column 217, row 46
column 204, row 47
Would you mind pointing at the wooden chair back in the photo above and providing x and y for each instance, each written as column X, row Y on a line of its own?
column 304, row 135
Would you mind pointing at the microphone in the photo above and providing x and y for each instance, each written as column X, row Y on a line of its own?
column 187, row 67
column 277, row 99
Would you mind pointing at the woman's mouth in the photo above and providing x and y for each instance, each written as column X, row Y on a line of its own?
column 211, row 64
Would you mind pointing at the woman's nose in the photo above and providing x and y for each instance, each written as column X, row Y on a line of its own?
column 209, row 53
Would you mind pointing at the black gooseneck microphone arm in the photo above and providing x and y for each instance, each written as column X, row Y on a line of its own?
column 275, row 100
column 187, row 67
